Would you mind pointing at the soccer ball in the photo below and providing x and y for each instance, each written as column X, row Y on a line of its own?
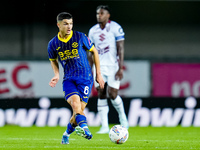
column 118, row 134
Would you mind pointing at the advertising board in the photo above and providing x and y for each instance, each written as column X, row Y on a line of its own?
column 30, row 79
column 157, row 112
column 176, row 79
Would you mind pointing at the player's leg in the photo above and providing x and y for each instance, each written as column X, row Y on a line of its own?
column 83, row 130
column 78, row 117
column 116, row 100
column 84, row 87
column 103, row 109
column 102, row 103
column 70, row 94
column 70, row 129
column 75, row 103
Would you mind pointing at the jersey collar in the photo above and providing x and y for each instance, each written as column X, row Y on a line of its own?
column 67, row 39
column 107, row 27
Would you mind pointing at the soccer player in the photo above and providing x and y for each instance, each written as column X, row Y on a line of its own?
column 69, row 48
column 108, row 37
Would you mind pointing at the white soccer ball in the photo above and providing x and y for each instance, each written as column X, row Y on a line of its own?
column 118, row 134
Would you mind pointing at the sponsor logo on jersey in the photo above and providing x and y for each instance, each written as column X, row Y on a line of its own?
column 102, row 37
column 101, row 51
column 58, row 48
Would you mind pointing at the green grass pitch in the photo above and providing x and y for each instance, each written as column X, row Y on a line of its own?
column 142, row 138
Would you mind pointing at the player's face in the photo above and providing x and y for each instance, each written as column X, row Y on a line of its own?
column 102, row 16
column 65, row 26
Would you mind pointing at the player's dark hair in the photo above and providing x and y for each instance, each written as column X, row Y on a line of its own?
column 63, row 15
column 106, row 7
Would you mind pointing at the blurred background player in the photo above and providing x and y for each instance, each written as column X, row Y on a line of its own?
column 108, row 38
column 69, row 47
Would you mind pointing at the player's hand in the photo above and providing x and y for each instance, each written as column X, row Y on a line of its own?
column 54, row 81
column 100, row 80
column 119, row 74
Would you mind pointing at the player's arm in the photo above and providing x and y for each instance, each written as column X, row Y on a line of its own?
column 55, row 67
column 99, row 78
column 120, row 52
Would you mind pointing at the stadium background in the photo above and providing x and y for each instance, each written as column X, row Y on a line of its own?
column 161, row 50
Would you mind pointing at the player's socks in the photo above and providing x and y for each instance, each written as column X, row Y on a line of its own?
column 81, row 120
column 82, row 128
column 103, row 109
column 70, row 128
column 119, row 106
column 66, row 134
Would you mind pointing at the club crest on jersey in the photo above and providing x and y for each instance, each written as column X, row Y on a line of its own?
column 75, row 45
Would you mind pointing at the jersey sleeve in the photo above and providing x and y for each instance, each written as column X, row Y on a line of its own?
column 87, row 43
column 51, row 52
column 118, row 32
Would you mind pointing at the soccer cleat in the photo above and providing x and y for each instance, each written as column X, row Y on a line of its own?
column 103, row 130
column 65, row 139
column 84, row 132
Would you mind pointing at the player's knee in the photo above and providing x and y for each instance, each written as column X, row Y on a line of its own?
column 112, row 95
column 76, row 105
column 112, row 92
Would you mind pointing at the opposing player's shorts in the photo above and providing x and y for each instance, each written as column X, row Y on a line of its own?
column 78, row 86
column 108, row 74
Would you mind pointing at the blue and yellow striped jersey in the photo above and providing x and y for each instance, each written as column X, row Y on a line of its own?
column 71, row 53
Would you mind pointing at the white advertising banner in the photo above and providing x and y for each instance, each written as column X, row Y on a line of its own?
column 136, row 80
column 27, row 79
column 31, row 79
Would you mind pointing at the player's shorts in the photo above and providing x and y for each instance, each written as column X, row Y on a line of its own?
column 78, row 86
column 108, row 74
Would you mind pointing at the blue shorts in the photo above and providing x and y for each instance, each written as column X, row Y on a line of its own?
column 78, row 86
